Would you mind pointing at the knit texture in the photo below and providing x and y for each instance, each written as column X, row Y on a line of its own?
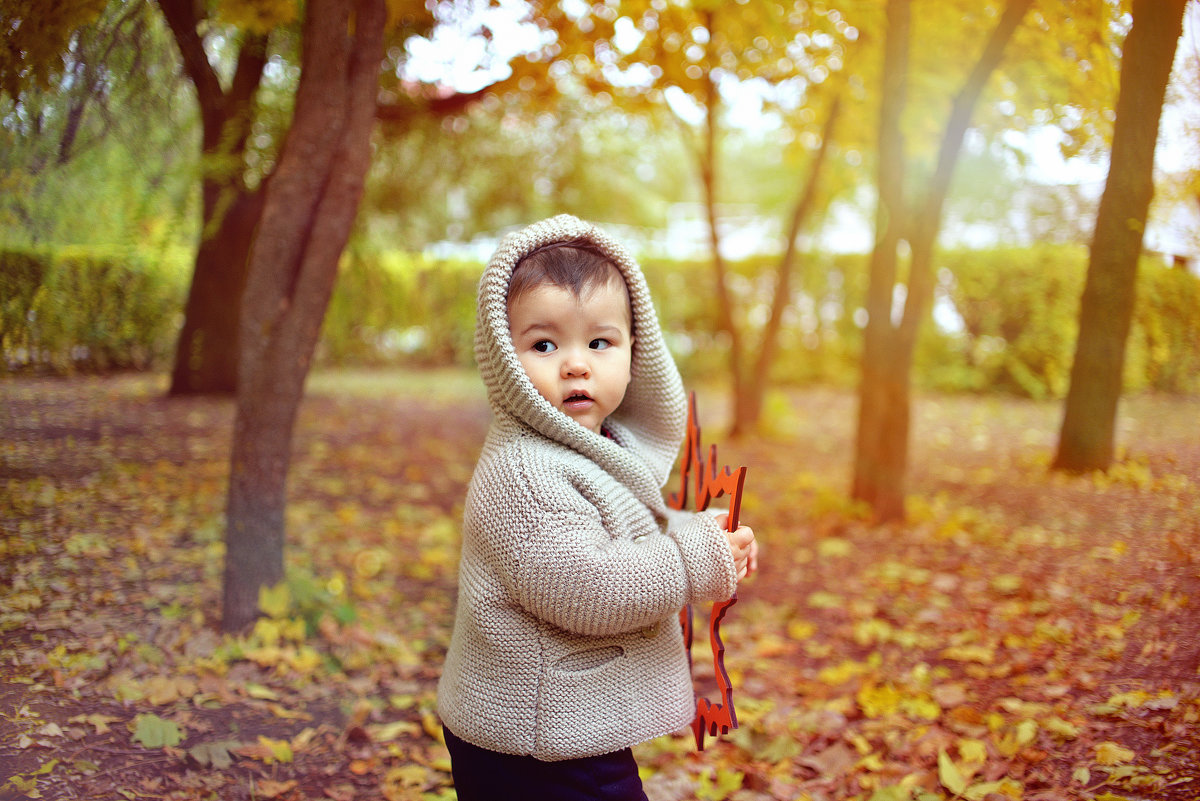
column 566, row 642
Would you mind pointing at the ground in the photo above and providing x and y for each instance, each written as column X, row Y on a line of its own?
column 1024, row 635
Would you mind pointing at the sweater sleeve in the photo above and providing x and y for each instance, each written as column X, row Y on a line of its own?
column 560, row 559
column 704, row 547
column 570, row 572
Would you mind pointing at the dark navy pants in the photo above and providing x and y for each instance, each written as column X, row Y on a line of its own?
column 483, row 775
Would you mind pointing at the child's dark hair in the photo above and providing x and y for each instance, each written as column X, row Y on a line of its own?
column 573, row 264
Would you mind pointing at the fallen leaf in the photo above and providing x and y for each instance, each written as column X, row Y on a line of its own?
column 949, row 774
column 833, row 761
column 95, row 719
column 1110, row 753
column 155, row 732
column 273, row 789
column 215, row 754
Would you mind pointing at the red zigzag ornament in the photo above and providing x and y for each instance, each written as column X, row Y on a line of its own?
column 710, row 484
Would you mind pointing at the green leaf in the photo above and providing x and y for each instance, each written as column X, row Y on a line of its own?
column 155, row 732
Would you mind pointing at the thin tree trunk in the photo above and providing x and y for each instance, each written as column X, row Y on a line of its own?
column 880, row 446
column 311, row 202
column 881, row 449
column 1087, row 438
column 754, row 389
column 206, row 352
column 726, row 321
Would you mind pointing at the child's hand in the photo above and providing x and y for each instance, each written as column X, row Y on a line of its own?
column 742, row 546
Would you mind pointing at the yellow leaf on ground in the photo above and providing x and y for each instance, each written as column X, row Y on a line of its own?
column 275, row 601
column 1110, row 753
column 877, row 702
column 280, row 711
column 949, row 774
column 800, row 629
column 386, row 732
column 95, row 719
column 970, row 653
column 972, row 751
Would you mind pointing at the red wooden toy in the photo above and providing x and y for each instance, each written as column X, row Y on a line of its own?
column 710, row 484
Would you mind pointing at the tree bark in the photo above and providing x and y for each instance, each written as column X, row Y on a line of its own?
column 206, row 353
column 1087, row 438
column 309, row 209
column 881, row 446
column 749, row 406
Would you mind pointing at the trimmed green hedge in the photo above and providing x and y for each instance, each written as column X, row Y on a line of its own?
column 88, row 311
column 1012, row 316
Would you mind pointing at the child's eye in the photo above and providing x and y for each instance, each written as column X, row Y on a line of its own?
column 599, row 344
column 544, row 346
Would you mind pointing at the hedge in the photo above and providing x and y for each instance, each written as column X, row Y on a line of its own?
column 1008, row 316
column 71, row 310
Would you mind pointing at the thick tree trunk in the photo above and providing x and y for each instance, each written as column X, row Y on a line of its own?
column 1086, row 441
column 310, row 206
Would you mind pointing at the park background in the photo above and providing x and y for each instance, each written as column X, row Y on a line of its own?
column 959, row 613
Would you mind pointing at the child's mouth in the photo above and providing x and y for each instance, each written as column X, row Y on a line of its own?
column 577, row 400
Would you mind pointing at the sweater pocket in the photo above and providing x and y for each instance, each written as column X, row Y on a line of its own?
column 591, row 659
column 583, row 712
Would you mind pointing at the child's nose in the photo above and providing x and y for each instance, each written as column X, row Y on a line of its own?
column 575, row 366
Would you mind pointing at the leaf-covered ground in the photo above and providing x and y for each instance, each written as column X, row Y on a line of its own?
column 1025, row 635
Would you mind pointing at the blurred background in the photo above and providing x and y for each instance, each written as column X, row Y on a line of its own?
column 494, row 114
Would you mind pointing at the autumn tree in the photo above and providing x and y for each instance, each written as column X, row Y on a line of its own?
column 909, row 213
column 88, row 112
column 1086, row 440
column 649, row 54
column 206, row 352
column 309, row 207
column 34, row 54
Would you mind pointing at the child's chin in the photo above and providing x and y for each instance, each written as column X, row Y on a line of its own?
column 585, row 421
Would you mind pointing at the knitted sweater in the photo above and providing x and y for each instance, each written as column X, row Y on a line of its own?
column 566, row 641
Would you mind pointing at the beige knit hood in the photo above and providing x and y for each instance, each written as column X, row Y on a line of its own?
column 654, row 411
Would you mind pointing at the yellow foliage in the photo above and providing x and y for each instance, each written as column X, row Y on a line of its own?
column 274, row 601
column 257, row 16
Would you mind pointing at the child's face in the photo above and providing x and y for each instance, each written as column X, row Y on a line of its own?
column 576, row 351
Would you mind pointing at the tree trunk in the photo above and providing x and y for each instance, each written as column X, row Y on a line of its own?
column 748, row 413
column 309, row 208
column 881, row 445
column 1086, row 441
column 881, row 448
column 206, row 353
column 708, row 164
